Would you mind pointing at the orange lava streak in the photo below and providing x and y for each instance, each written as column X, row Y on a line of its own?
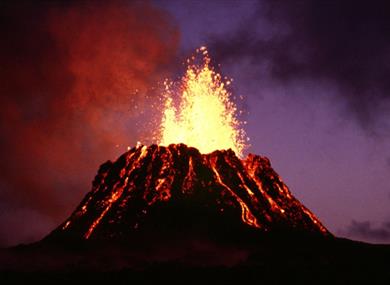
column 114, row 197
column 66, row 225
column 246, row 215
column 314, row 219
column 259, row 184
column 96, row 222
column 206, row 117
column 117, row 194
column 188, row 180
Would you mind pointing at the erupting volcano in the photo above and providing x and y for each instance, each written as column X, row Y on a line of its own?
column 197, row 183
column 189, row 189
column 193, row 207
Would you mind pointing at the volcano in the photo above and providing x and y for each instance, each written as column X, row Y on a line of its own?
column 169, row 190
column 174, row 215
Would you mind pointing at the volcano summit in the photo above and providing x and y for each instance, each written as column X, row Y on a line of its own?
column 178, row 189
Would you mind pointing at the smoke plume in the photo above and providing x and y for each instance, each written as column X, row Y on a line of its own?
column 344, row 44
column 72, row 76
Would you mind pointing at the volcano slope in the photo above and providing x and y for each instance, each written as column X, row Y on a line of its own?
column 172, row 213
column 177, row 189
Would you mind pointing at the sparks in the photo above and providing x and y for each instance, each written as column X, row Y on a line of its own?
column 206, row 116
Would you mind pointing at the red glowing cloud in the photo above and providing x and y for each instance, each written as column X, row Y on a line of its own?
column 69, row 75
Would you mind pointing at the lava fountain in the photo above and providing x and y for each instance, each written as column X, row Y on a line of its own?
column 205, row 116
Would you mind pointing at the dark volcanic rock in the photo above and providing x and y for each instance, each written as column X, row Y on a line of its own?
column 175, row 191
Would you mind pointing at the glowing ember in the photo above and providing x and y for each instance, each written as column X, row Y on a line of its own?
column 206, row 116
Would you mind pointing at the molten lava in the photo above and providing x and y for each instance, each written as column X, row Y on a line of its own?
column 206, row 116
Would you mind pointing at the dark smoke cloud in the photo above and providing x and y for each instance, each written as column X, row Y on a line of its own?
column 365, row 230
column 344, row 43
column 71, row 73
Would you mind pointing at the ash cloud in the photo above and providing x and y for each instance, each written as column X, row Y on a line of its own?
column 71, row 73
column 344, row 43
column 365, row 230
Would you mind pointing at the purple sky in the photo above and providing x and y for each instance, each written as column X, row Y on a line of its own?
column 314, row 76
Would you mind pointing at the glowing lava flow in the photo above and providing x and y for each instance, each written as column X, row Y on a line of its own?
column 206, row 116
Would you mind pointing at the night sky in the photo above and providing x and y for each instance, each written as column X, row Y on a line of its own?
column 77, row 80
